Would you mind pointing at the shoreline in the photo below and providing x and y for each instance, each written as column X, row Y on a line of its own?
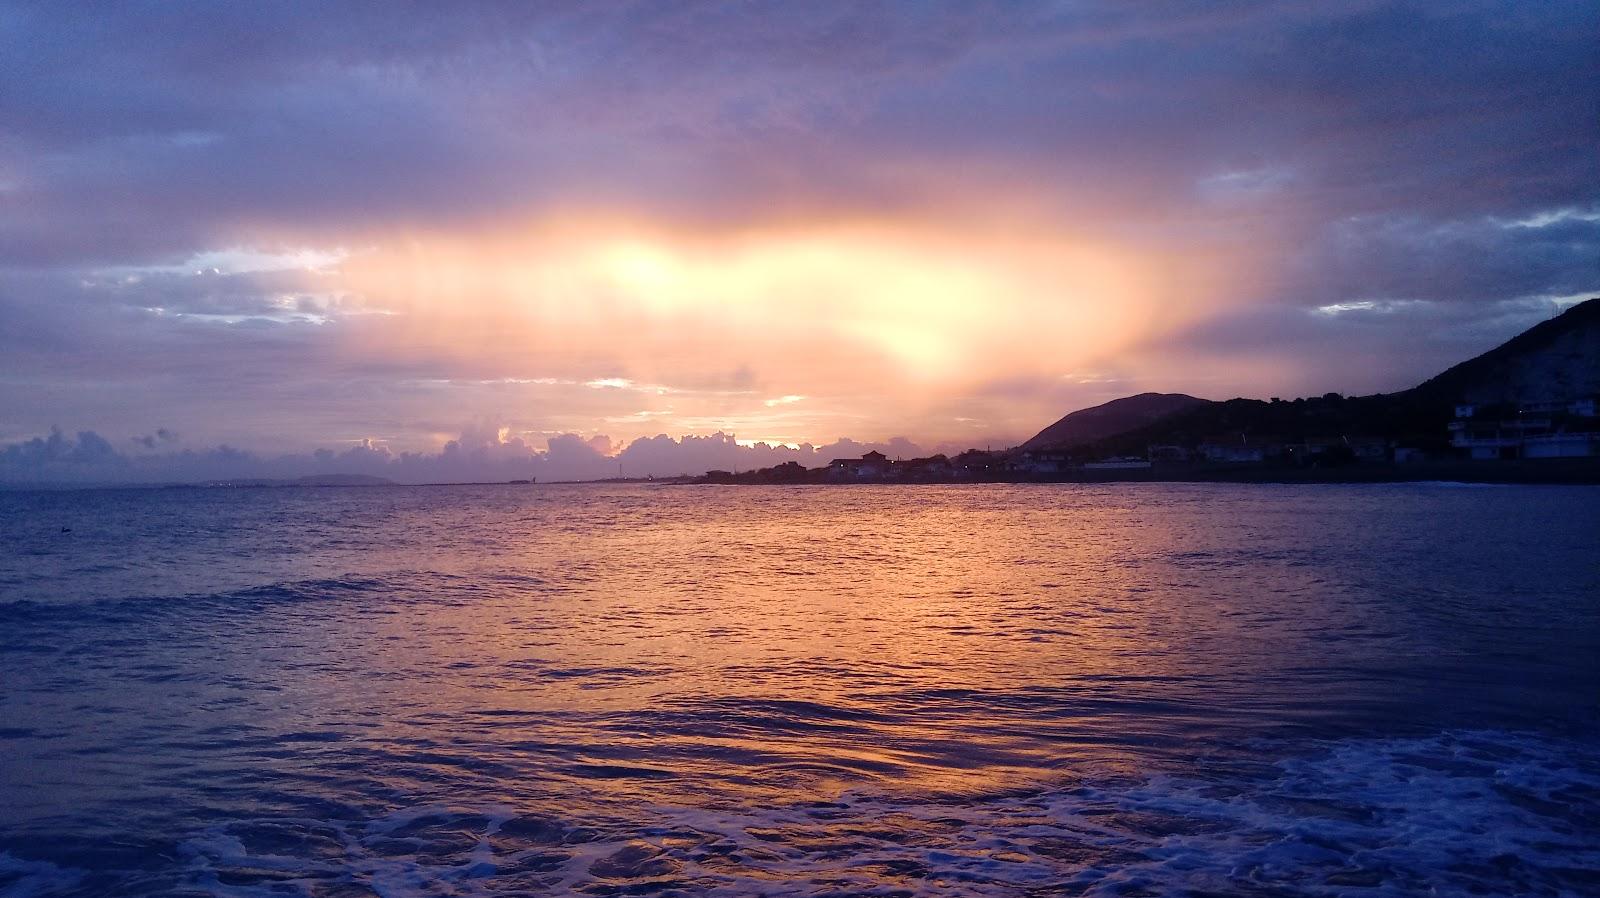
column 1554, row 472
column 1548, row 472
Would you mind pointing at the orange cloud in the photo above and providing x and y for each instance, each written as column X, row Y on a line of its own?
column 877, row 321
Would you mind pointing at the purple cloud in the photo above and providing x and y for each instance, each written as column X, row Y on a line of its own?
column 1435, row 163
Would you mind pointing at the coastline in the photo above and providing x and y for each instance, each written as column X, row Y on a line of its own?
column 1555, row 472
column 1552, row 472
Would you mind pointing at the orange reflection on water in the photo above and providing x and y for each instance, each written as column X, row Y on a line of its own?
column 812, row 641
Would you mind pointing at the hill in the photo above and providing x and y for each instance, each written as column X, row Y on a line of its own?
column 1555, row 359
column 1109, row 419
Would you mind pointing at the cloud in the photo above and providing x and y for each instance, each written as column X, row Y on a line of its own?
column 1481, row 261
column 482, row 453
column 922, row 219
column 238, row 123
column 87, row 450
column 1357, row 347
column 162, row 436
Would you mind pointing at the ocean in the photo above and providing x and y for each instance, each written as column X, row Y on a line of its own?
column 1120, row 689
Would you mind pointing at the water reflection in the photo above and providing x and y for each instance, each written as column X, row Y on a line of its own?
column 966, row 689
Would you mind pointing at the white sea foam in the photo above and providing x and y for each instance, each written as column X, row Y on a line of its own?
column 1485, row 812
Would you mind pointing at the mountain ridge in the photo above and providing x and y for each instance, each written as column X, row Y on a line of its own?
column 1111, row 418
column 1510, row 372
column 1554, row 359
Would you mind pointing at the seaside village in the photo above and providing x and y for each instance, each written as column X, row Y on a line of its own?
column 1566, row 429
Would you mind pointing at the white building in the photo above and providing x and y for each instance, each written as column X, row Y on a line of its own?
column 1562, row 445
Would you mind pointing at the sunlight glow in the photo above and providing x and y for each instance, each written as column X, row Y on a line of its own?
column 904, row 315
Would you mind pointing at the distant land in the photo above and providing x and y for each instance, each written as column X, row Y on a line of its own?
column 1117, row 416
column 311, row 480
column 1523, row 411
column 1553, row 361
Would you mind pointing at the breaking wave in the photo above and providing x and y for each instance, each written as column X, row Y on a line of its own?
column 1458, row 813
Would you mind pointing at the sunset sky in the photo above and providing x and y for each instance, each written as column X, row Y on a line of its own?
column 287, row 228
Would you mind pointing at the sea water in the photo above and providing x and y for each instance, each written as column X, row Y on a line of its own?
column 1122, row 689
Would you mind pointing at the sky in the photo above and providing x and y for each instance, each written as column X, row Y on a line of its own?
column 467, row 241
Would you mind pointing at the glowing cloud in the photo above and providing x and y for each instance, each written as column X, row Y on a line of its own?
column 889, row 315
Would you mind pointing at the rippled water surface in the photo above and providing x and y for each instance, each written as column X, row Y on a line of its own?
column 966, row 690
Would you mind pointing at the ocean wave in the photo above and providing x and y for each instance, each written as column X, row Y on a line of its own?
column 241, row 600
column 20, row 878
column 1482, row 812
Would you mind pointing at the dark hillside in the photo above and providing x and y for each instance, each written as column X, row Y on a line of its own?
column 1556, row 359
column 1117, row 416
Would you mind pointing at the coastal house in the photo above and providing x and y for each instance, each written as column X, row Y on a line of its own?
column 787, row 472
column 843, row 468
column 1369, row 449
column 932, row 468
column 1486, row 440
column 1335, row 450
column 1562, row 445
column 1580, row 408
column 872, row 466
column 1487, row 446
column 1240, row 449
column 1169, row 454
column 1409, row 454
column 1044, row 462
column 1502, row 432
column 974, row 464
column 1539, row 428
column 1541, row 406
column 1118, row 463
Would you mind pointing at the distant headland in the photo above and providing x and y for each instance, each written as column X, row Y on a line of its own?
column 1525, row 411
column 310, row 480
